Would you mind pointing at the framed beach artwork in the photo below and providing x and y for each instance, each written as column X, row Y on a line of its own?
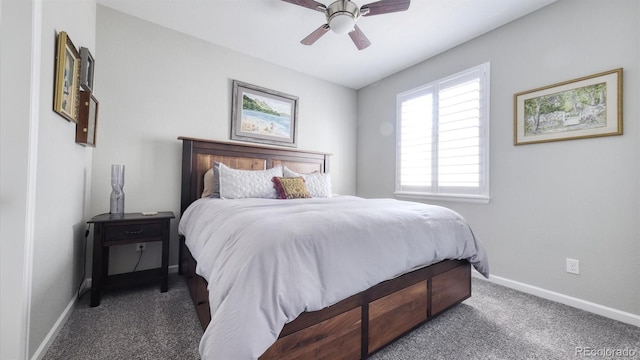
column 587, row 107
column 263, row 116
column 65, row 97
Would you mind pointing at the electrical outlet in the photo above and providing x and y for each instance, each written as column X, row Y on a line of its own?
column 140, row 246
column 573, row 266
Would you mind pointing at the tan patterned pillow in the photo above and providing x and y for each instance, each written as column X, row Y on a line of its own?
column 290, row 187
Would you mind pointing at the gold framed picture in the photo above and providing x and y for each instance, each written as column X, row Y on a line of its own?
column 587, row 107
column 65, row 97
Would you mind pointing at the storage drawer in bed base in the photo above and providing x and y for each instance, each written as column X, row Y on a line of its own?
column 389, row 310
column 362, row 324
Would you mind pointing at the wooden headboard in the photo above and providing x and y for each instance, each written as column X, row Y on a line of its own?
column 198, row 156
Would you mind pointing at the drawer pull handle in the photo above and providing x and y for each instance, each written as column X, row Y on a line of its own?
column 134, row 232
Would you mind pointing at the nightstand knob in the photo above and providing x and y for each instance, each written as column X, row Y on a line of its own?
column 135, row 232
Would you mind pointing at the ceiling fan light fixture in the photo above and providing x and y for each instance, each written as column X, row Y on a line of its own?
column 342, row 23
column 342, row 16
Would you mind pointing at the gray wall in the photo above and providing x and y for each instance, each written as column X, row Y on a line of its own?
column 576, row 199
column 45, row 175
column 63, row 179
column 157, row 84
column 15, row 95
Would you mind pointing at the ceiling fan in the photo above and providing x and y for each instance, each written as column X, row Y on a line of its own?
column 343, row 14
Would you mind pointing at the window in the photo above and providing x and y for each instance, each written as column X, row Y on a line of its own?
column 443, row 138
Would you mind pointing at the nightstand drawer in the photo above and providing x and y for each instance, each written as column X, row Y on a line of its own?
column 132, row 232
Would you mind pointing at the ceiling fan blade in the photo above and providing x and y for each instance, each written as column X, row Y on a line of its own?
column 311, row 4
column 384, row 7
column 359, row 38
column 315, row 35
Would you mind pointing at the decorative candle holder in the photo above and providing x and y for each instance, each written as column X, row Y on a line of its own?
column 117, row 192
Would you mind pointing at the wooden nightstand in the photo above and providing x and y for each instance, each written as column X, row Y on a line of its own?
column 131, row 228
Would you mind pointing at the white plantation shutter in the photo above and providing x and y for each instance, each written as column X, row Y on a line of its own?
column 443, row 133
column 416, row 132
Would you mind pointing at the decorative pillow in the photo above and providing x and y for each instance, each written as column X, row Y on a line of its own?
column 212, row 182
column 208, row 183
column 239, row 184
column 290, row 187
column 318, row 184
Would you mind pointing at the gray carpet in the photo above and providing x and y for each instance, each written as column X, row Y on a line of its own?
column 500, row 323
column 495, row 323
column 140, row 323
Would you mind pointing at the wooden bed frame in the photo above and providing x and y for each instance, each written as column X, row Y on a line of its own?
column 353, row 328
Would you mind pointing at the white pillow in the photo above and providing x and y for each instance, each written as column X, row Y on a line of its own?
column 318, row 184
column 239, row 184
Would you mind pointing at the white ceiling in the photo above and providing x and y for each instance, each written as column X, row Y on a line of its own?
column 272, row 29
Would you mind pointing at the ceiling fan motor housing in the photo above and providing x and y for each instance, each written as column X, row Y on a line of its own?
column 341, row 16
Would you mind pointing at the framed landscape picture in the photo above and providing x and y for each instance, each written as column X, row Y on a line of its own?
column 264, row 116
column 65, row 96
column 587, row 107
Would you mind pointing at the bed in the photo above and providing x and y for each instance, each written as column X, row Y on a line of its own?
column 342, row 323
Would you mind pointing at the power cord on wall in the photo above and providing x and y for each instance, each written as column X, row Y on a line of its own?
column 138, row 263
column 84, row 265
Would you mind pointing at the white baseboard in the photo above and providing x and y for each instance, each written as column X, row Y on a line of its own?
column 602, row 310
column 55, row 330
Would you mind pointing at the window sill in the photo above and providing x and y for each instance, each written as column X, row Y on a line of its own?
column 474, row 199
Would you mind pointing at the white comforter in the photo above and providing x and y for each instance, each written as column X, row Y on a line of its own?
column 267, row 261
